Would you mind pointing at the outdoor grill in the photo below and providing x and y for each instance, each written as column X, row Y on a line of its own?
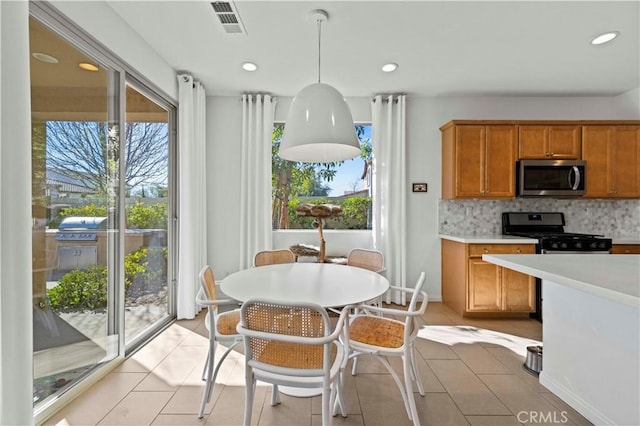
column 78, row 242
column 79, row 228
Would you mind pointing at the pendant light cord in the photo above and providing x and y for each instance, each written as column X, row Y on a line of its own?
column 319, row 21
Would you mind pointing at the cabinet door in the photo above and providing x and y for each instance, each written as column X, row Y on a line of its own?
column 545, row 142
column 500, row 161
column 518, row 291
column 469, row 158
column 625, row 157
column 533, row 142
column 484, row 292
column 565, row 142
column 596, row 146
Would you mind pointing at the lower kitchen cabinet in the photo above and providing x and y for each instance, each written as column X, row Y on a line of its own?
column 625, row 249
column 471, row 286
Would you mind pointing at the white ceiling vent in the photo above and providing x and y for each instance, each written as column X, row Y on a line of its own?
column 228, row 16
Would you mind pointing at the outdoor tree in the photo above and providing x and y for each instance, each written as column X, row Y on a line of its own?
column 82, row 150
column 291, row 179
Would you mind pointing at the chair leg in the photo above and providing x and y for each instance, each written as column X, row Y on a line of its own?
column 408, row 371
column 208, row 373
column 249, row 389
column 416, row 374
column 326, row 414
column 204, row 369
column 275, row 396
column 211, row 373
column 396, row 378
column 354, row 366
column 340, row 394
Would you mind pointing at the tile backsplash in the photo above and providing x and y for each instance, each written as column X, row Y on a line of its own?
column 617, row 219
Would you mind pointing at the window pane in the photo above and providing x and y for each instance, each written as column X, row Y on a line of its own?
column 146, row 212
column 75, row 192
column 346, row 184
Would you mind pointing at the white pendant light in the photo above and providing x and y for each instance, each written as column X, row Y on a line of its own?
column 319, row 126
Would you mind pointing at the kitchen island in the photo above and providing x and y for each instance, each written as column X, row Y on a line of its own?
column 590, row 330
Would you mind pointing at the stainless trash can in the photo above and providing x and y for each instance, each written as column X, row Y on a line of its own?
column 533, row 362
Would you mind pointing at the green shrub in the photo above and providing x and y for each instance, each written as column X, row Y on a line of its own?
column 80, row 289
column 86, row 289
column 152, row 216
column 91, row 210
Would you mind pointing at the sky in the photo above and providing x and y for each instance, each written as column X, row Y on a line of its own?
column 348, row 172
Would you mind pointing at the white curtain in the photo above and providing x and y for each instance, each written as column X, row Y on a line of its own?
column 192, row 215
column 390, row 187
column 255, row 176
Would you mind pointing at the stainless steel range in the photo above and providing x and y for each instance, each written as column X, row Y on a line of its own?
column 548, row 229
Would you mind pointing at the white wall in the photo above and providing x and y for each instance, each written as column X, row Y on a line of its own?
column 424, row 118
column 16, row 340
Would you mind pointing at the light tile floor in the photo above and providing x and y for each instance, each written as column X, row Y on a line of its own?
column 471, row 369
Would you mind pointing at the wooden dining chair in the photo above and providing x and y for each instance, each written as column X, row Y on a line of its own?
column 272, row 257
column 392, row 334
column 221, row 327
column 293, row 344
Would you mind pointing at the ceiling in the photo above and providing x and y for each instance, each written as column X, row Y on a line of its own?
column 443, row 48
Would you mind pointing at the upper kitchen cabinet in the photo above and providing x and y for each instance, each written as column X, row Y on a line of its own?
column 549, row 142
column 612, row 154
column 478, row 160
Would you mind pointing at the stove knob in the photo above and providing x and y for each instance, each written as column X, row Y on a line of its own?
column 578, row 244
column 554, row 244
column 563, row 245
column 594, row 244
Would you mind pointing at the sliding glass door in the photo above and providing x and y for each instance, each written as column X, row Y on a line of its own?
column 146, row 213
column 102, row 197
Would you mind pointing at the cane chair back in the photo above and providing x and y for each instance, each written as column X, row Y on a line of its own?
column 293, row 344
column 272, row 257
column 372, row 260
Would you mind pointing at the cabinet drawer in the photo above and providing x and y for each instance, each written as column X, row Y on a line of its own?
column 480, row 249
column 625, row 249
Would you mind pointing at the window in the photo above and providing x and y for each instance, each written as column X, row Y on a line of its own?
column 346, row 184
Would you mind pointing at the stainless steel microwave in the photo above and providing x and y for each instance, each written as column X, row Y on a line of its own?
column 551, row 178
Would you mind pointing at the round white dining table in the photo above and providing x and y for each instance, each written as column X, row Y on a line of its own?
column 326, row 284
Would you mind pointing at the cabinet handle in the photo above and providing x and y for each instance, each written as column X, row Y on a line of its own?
column 551, row 154
column 486, row 250
column 518, row 250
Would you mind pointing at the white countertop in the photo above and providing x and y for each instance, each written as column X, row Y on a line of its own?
column 488, row 239
column 509, row 239
column 624, row 241
column 615, row 277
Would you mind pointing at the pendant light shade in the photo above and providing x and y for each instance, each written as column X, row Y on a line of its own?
column 319, row 126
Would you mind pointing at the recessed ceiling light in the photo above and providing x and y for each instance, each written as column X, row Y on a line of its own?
column 87, row 66
column 389, row 67
column 605, row 38
column 43, row 57
column 249, row 66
